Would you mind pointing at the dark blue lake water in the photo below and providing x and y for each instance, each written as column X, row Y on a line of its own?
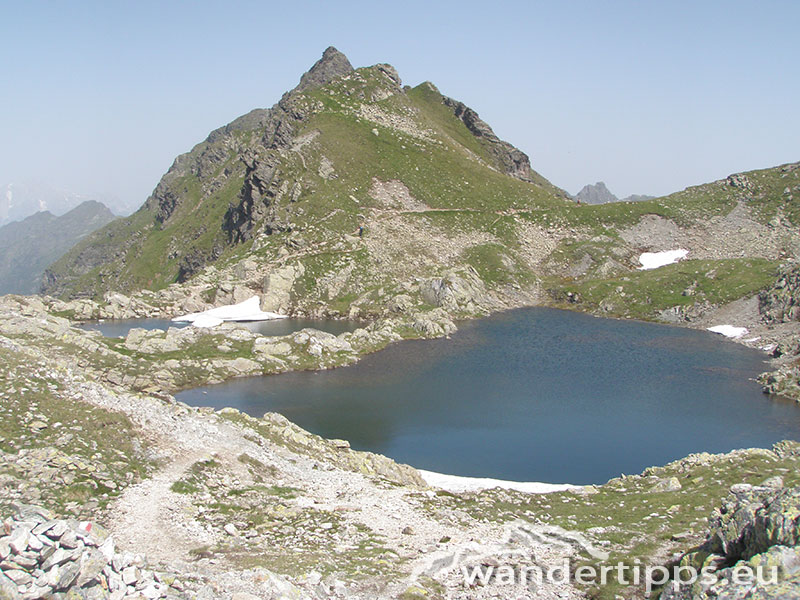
column 534, row 395
column 275, row 327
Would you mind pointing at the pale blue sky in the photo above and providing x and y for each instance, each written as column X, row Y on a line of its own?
column 648, row 96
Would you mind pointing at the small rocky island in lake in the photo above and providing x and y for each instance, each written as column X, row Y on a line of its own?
column 356, row 197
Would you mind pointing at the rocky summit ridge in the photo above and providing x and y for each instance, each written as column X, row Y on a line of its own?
column 344, row 148
column 332, row 65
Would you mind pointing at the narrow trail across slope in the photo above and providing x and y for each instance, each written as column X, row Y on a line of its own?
column 149, row 517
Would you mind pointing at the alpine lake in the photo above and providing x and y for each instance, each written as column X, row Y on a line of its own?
column 533, row 394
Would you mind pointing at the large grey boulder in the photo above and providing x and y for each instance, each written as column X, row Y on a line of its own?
column 456, row 291
column 278, row 286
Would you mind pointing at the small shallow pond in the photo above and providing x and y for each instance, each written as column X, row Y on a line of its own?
column 534, row 395
column 277, row 327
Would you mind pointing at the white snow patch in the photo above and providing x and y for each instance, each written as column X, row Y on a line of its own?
column 249, row 310
column 206, row 321
column 728, row 330
column 753, row 339
column 653, row 260
column 456, row 484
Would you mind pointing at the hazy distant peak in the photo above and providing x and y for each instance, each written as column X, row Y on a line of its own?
column 637, row 198
column 28, row 246
column 600, row 194
column 596, row 194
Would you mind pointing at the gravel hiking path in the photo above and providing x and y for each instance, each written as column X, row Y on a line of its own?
column 148, row 517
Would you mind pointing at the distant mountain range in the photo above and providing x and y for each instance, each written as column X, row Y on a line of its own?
column 29, row 246
column 21, row 200
column 600, row 194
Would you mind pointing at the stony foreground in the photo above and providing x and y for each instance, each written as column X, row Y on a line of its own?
column 227, row 503
column 207, row 505
column 43, row 557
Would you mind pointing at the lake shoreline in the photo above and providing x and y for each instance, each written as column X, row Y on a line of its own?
column 633, row 342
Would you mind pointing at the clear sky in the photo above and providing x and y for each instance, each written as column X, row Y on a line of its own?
column 649, row 97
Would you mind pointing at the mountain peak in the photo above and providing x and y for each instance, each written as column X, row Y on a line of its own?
column 600, row 194
column 333, row 64
column 596, row 194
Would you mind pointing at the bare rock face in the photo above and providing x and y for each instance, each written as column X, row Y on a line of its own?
column 511, row 160
column 278, row 287
column 757, row 527
column 333, row 64
column 263, row 185
column 781, row 302
column 457, row 291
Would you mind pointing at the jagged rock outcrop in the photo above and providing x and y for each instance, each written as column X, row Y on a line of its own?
column 254, row 210
column 757, row 527
column 263, row 183
column 780, row 303
column 333, row 64
column 755, row 518
column 510, row 160
column 784, row 381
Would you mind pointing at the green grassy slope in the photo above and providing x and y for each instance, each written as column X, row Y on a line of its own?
column 444, row 166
